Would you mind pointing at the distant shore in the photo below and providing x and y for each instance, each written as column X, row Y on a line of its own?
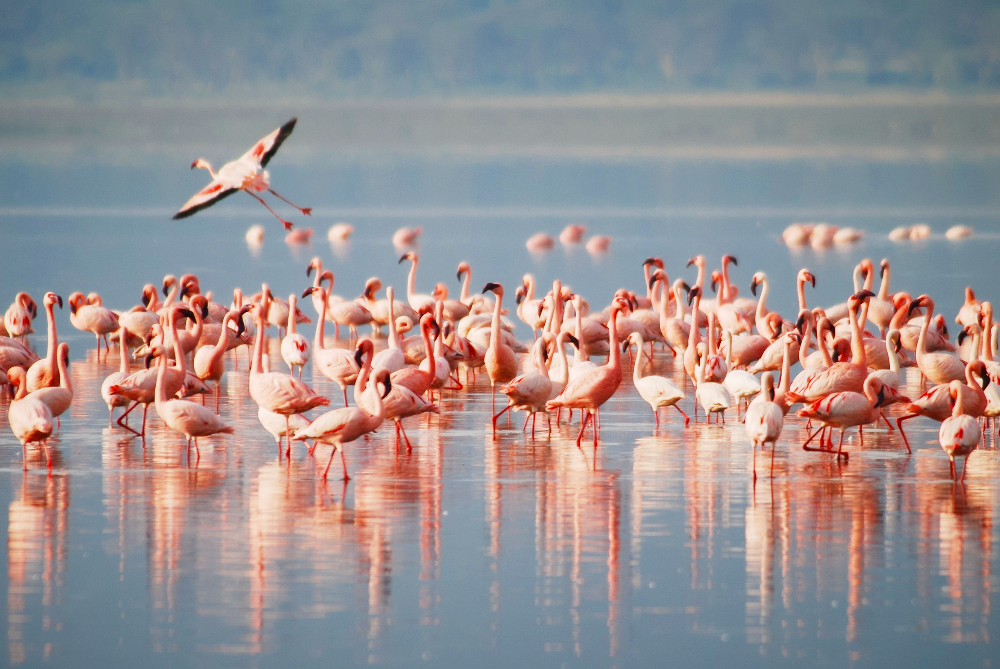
column 883, row 126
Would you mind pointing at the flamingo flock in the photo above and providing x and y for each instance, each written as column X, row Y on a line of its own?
column 719, row 354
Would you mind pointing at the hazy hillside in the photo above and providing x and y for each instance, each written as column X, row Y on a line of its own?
column 109, row 48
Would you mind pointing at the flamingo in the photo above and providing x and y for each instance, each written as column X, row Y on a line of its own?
column 501, row 363
column 531, row 391
column 399, row 403
column 17, row 319
column 29, row 418
column 968, row 313
column 934, row 404
column 959, row 433
column 190, row 419
column 764, row 420
column 656, row 391
column 116, row 378
column 246, row 174
column 766, row 327
column 345, row 312
column 392, row 358
column 92, row 318
column 209, row 364
column 418, row 380
column 342, row 426
column 741, row 384
column 417, row 301
column 280, row 393
column 274, row 423
column 847, row 409
column 406, row 237
column 572, row 234
column 940, row 368
column 294, row 347
column 58, row 398
column 44, row 373
column 713, row 397
column 593, row 388
column 337, row 364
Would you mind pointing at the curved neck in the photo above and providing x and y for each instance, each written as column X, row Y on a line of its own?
column 379, row 414
column 636, row 372
column 806, row 341
column 762, row 302
column 223, row 343
column 178, row 353
column 425, row 334
column 530, row 291
column 694, row 336
column 890, row 348
column 821, row 345
column 985, row 350
column 801, row 290
column 922, row 340
column 701, row 274
column 361, row 385
column 615, row 354
column 679, row 301
column 959, row 408
column 160, row 394
column 171, row 296
column 578, row 356
column 729, row 350
column 495, row 325
column 22, row 388
column 786, row 366
column 726, row 294
column 466, row 280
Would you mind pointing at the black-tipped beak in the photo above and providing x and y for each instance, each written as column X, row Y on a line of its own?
column 184, row 291
column 401, row 259
column 573, row 340
column 186, row 313
column 519, row 297
column 985, row 375
column 690, row 262
column 862, row 294
column 145, row 300
column 881, row 397
column 166, row 290
column 458, row 275
column 685, row 286
column 653, row 279
column 962, row 335
column 649, row 261
column 944, row 330
column 812, row 279
column 309, row 269
column 72, row 308
column 694, row 292
column 388, row 387
column 204, row 310
column 240, row 326
column 308, row 291
column 729, row 258
column 835, row 355
column 800, row 323
column 753, row 287
column 715, row 285
column 490, row 286
column 147, row 360
column 359, row 353
column 59, row 301
column 625, row 345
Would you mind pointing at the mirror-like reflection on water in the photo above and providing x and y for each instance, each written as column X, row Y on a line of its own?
column 509, row 551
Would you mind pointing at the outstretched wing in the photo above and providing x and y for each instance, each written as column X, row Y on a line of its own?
column 205, row 198
column 264, row 149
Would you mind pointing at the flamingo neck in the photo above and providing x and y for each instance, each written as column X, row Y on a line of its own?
column 821, row 345
column 22, row 388
column 694, row 336
column 425, row 334
column 178, row 353
column 495, row 325
column 123, row 367
column 466, row 280
column 679, row 301
column 765, row 287
column 615, row 354
column 318, row 341
column 393, row 335
column 50, row 350
column 258, row 347
column 64, row 380
column 857, row 346
column 883, row 287
column 922, row 339
column 411, row 280
column 786, row 366
column 725, row 295
column 893, row 360
column 800, row 289
column 171, row 296
column 636, row 372
column 160, row 394
column 292, row 302
column 959, row 407
column 221, row 345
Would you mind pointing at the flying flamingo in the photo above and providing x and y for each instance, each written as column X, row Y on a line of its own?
column 501, row 363
column 959, row 433
column 246, row 173
column 764, row 420
column 29, row 418
column 591, row 389
column 45, row 372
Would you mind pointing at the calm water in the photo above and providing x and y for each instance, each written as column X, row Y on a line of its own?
column 506, row 552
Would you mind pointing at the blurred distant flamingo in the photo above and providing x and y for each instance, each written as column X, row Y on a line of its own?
column 246, row 173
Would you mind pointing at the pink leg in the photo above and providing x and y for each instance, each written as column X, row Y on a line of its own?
column 687, row 420
column 287, row 224
column 586, row 418
column 306, row 211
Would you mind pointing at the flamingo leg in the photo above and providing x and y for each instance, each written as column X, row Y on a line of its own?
column 965, row 468
column 287, row 224
column 124, row 415
column 754, row 459
column 306, row 211
column 687, row 420
column 534, row 417
column 586, row 418
column 329, row 462
column 345, row 395
column 773, row 448
column 409, row 446
column 344, row 463
column 886, row 421
column 656, row 415
column 805, row 446
column 526, row 418
column 899, row 424
column 840, row 446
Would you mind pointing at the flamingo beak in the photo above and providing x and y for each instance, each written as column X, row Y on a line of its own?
column 59, row 301
column 308, row 291
column 652, row 280
column 728, row 259
column 881, row 397
column 753, row 286
column 715, row 285
column 862, row 294
column 402, row 258
column 690, row 262
column 800, row 323
column 812, row 279
column 166, row 289
column 145, row 300
column 146, row 361
column 309, row 269
column 649, row 261
column 388, row 386
column 72, row 308
column 985, row 375
column 187, row 313
column 204, row 310
column 240, row 327
column 573, row 340
column 488, row 287
column 962, row 335
column 194, row 164
column 358, row 355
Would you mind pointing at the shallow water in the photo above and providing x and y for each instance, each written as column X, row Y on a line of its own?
column 510, row 551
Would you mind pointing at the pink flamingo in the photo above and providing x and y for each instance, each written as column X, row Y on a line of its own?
column 764, row 420
column 959, row 433
column 45, row 372
column 209, row 362
column 29, row 418
column 337, row 364
column 281, row 393
column 246, row 174
column 17, row 319
column 190, row 419
column 501, row 363
column 342, row 426
column 847, row 409
column 592, row 389
column 940, row 368
column 116, row 378
column 294, row 347
column 58, row 398
column 934, row 404
column 417, row 380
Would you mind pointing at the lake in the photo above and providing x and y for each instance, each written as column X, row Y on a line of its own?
column 473, row 550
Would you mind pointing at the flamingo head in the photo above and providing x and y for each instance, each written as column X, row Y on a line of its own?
column 491, row 287
column 382, row 376
column 52, row 299
column 658, row 275
column 519, row 295
column 716, row 280
column 364, row 347
column 806, row 275
column 440, row 292
column 883, row 267
column 409, row 255
column 697, row 261
column 168, row 281
column 463, row 267
column 695, row 292
column 804, row 316
column 76, row 300
column 202, row 163
column 757, row 279
column 726, row 259
column 314, row 264
column 201, row 303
